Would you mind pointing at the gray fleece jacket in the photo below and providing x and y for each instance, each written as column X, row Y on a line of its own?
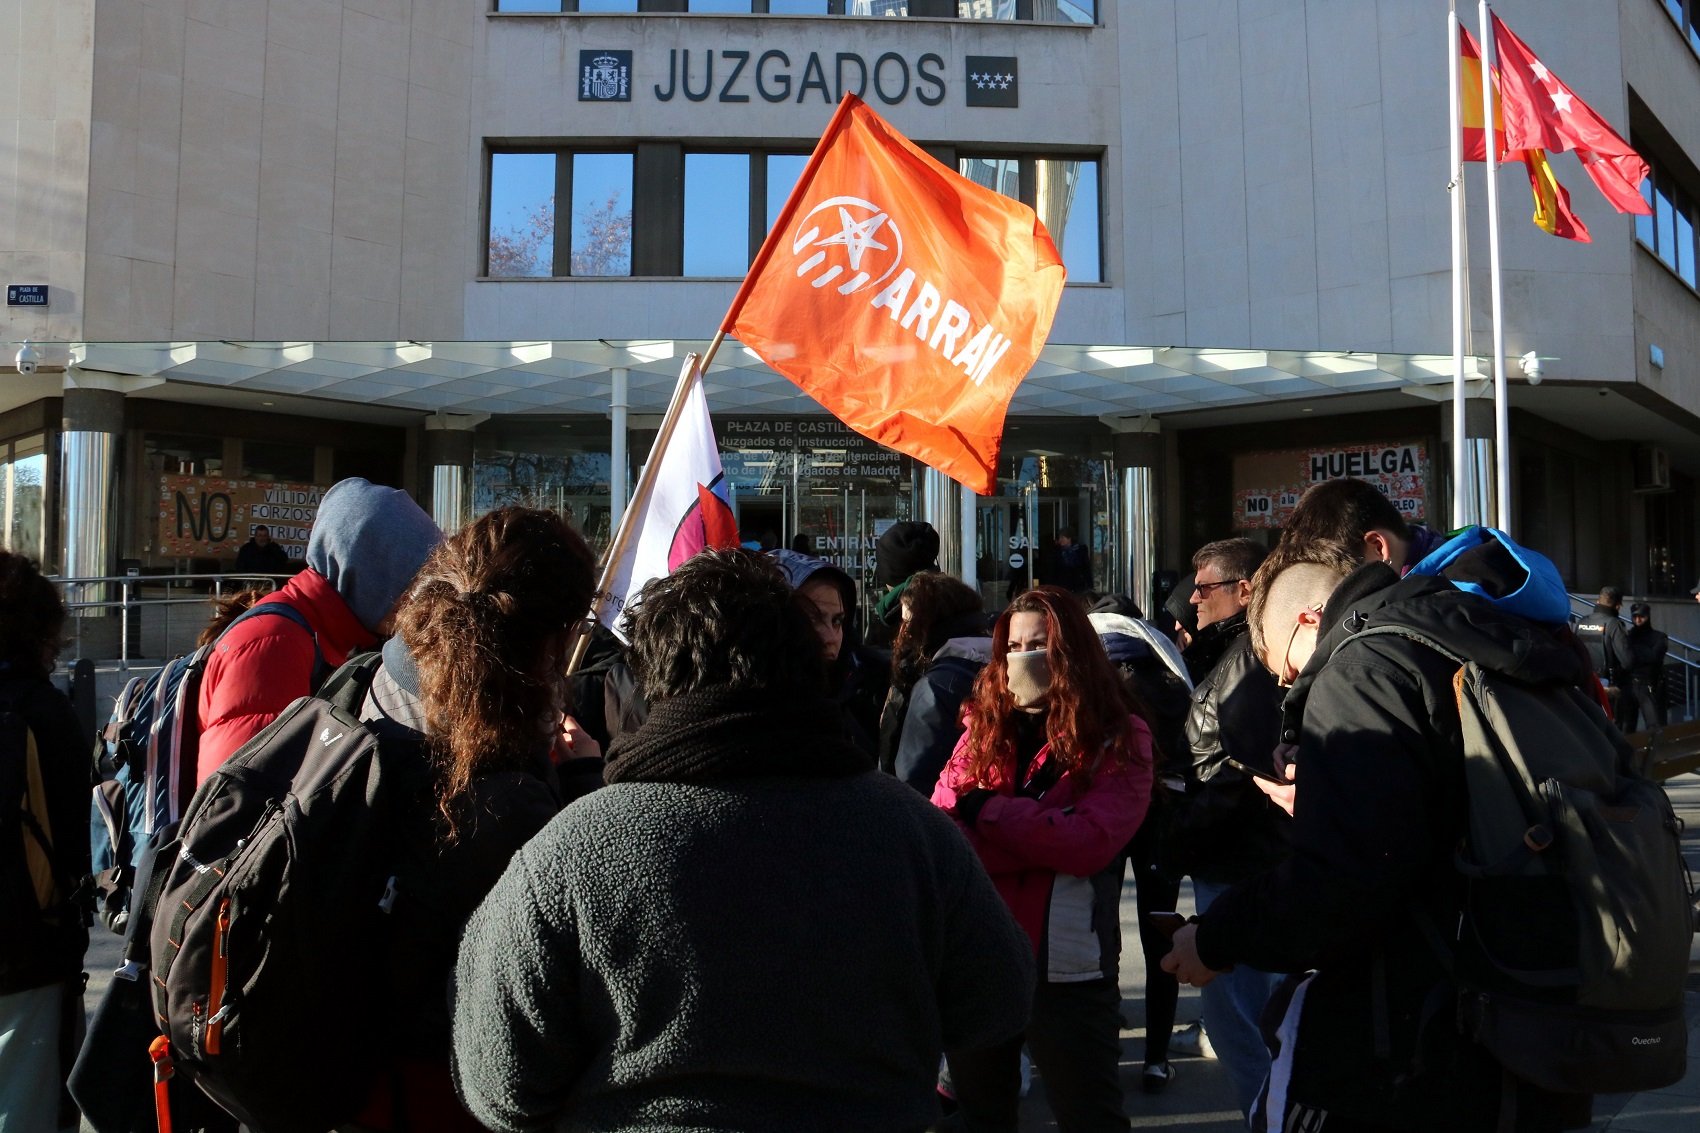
column 755, row 954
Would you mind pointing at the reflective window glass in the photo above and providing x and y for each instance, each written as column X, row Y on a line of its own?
column 1066, row 199
column 602, row 214
column 985, row 9
column 1644, row 224
column 797, row 7
column 1664, row 215
column 25, row 493
column 783, row 169
column 717, row 213
column 877, row 8
column 999, row 174
column 522, row 214
column 718, row 6
column 1685, row 243
column 607, row 5
column 528, row 5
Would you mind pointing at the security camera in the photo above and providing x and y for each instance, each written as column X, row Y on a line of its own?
column 1531, row 366
column 29, row 359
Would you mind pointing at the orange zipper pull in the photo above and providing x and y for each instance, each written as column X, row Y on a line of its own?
column 220, row 978
column 163, row 1068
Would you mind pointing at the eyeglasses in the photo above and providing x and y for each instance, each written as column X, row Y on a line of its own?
column 1205, row 589
column 1288, row 673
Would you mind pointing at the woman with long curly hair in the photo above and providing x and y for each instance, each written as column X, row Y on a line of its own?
column 1050, row 782
column 475, row 682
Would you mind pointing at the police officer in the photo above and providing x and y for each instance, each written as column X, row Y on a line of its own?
column 1607, row 641
column 1644, row 692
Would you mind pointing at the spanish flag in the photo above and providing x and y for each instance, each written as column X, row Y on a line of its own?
column 906, row 299
column 1552, row 200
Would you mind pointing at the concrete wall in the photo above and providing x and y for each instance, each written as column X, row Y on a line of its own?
column 46, row 64
column 279, row 169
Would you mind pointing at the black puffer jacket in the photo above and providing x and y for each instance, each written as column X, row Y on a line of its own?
column 35, row 954
column 1380, row 809
column 1224, row 829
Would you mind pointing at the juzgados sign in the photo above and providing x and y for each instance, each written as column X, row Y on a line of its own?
column 738, row 76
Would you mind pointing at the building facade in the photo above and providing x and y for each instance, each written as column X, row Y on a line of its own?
column 466, row 246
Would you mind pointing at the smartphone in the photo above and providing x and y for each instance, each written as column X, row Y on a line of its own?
column 1257, row 774
column 1170, row 923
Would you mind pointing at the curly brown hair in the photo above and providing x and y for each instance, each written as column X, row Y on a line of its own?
column 1088, row 704
column 935, row 602
column 32, row 617
column 487, row 622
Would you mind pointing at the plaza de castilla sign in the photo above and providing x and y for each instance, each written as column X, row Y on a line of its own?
column 724, row 75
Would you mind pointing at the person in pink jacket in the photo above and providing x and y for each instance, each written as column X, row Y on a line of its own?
column 1050, row 781
column 368, row 542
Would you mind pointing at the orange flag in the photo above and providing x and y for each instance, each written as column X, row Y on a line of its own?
column 906, row 299
column 1552, row 200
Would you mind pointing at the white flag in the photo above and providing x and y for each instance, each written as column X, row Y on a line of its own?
column 687, row 508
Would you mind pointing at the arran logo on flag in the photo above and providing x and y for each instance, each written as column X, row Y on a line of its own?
column 913, row 303
column 903, row 297
column 861, row 225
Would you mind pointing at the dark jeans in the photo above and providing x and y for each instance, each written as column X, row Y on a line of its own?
column 1154, row 893
column 1074, row 1035
column 1640, row 704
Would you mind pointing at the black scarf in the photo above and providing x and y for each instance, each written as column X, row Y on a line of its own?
column 716, row 734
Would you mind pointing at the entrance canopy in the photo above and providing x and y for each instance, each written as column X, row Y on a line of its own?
column 575, row 376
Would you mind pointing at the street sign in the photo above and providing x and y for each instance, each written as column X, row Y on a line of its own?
column 26, row 295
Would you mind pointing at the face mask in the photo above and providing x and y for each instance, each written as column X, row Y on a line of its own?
column 1029, row 677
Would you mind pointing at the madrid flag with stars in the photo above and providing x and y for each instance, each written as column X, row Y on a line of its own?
column 903, row 297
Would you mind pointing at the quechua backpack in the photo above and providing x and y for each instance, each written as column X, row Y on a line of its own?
column 1571, row 950
column 145, row 764
column 273, row 926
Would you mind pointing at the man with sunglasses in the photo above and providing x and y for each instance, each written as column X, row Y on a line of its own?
column 1224, row 829
column 1366, row 1042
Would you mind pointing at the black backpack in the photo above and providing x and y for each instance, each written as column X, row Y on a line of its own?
column 145, row 764
column 38, row 896
column 1571, row 951
column 272, row 931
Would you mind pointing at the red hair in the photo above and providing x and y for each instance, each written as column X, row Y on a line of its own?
column 1088, row 706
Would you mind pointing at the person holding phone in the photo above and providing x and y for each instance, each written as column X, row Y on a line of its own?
column 1050, row 781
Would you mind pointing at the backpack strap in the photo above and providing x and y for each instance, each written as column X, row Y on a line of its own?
column 1410, row 635
column 347, row 687
column 284, row 610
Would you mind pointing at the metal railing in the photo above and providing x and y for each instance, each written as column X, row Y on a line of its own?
column 1682, row 666
column 133, row 601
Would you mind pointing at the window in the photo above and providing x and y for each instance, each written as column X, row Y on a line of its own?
column 1063, row 191
column 524, row 233
column 284, row 463
column 656, row 209
column 1686, row 13
column 1670, row 232
column 1041, row 11
column 23, row 476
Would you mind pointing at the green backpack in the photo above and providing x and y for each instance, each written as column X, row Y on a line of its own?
column 1571, row 951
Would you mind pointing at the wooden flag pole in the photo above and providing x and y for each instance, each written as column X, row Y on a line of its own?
column 692, row 371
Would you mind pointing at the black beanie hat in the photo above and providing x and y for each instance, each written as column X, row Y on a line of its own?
column 904, row 549
column 1179, row 603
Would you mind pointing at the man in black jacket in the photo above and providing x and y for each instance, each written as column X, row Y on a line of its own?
column 1224, row 829
column 1607, row 642
column 1367, row 1042
column 1641, row 703
column 259, row 555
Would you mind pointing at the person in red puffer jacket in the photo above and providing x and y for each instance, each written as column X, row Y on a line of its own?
column 367, row 544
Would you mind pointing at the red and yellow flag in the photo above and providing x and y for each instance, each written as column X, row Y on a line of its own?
column 906, row 299
column 1542, row 113
column 1552, row 200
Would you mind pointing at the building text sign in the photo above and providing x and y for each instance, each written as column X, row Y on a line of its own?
column 1267, row 485
column 207, row 517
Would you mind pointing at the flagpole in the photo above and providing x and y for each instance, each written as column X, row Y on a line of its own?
column 1456, row 187
column 1501, row 407
column 691, row 372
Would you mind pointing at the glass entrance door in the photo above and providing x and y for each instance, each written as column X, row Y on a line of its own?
column 1020, row 546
